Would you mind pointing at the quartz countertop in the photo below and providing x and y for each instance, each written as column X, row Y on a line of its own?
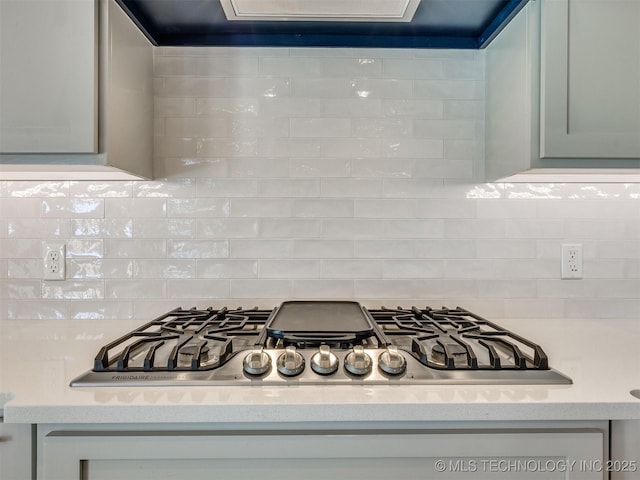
column 39, row 358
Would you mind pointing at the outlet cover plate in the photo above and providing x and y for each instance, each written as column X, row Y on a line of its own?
column 571, row 261
column 54, row 261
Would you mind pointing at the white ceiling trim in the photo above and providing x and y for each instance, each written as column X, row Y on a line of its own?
column 321, row 10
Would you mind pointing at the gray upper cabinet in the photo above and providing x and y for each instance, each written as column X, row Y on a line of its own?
column 76, row 92
column 49, row 76
column 563, row 93
column 590, row 79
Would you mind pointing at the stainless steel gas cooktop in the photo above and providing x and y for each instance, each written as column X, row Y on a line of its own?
column 320, row 342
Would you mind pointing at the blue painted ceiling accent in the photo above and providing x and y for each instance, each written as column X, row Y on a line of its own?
column 469, row 24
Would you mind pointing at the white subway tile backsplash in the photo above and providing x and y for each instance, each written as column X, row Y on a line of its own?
column 164, row 227
column 178, row 65
column 446, row 248
column 374, row 129
column 322, row 207
column 135, row 207
column 411, row 68
column 322, row 88
column 100, row 189
column 21, row 247
column 289, row 147
column 284, row 268
column 290, row 67
column 259, row 127
column 258, row 289
column 223, row 87
column 12, row 289
column 223, row 107
column 291, row 106
column 22, row 227
column 413, row 268
column 23, row 268
column 227, row 227
column 289, row 228
column 413, row 148
column 74, row 290
column 227, row 147
column 259, row 167
column 135, row 289
column 505, row 248
column 260, row 248
column 320, row 167
column 318, row 173
column 174, row 107
column 382, row 249
column 476, row 228
column 385, row 208
column 383, row 167
column 190, row 166
column 226, row 187
column 198, row 288
column 97, row 268
column 198, row 207
column 227, row 66
column 197, row 249
column 73, row 207
column 320, row 127
column 360, row 67
column 289, row 187
column 522, row 288
column 459, row 129
column 516, row 228
column 85, row 248
column 351, row 187
column 134, row 248
column 100, row 310
column 323, row 249
column 226, row 268
column 351, row 107
column 338, row 289
column 356, row 268
column 352, row 148
column 413, row 108
column 196, row 127
column 25, row 189
column 449, row 89
column 261, row 207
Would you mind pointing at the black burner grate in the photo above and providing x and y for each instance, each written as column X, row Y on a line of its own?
column 458, row 339
column 185, row 340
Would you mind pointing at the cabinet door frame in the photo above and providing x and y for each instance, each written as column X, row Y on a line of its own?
column 556, row 138
column 50, row 77
column 65, row 454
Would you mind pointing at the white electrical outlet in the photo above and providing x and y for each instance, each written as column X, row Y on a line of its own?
column 571, row 260
column 54, row 261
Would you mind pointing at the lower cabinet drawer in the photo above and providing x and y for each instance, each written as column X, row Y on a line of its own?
column 318, row 454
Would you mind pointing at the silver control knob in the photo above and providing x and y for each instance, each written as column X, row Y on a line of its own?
column 358, row 362
column 290, row 363
column 324, row 362
column 391, row 361
column 257, row 362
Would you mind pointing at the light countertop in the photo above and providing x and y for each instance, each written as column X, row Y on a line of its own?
column 39, row 358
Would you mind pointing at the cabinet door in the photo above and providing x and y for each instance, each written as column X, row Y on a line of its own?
column 318, row 455
column 15, row 451
column 48, row 76
column 590, row 79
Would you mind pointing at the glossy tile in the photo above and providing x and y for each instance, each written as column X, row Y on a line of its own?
column 318, row 173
